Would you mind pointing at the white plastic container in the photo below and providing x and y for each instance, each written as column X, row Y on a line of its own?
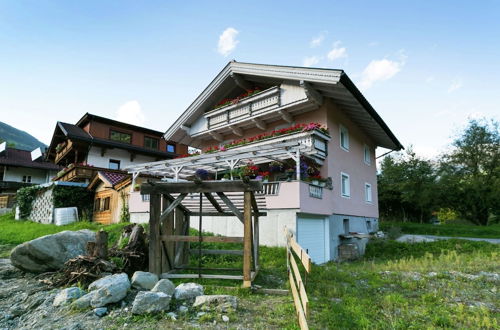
column 65, row 215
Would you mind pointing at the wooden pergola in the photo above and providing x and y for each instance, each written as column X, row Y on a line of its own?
column 171, row 206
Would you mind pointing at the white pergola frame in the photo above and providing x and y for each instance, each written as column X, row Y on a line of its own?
column 183, row 168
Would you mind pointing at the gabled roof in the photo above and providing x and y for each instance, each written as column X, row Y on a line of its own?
column 75, row 132
column 88, row 117
column 22, row 158
column 114, row 180
column 331, row 83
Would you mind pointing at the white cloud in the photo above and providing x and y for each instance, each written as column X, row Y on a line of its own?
column 429, row 79
column 337, row 52
column 380, row 70
column 455, row 84
column 310, row 61
column 131, row 112
column 318, row 40
column 227, row 41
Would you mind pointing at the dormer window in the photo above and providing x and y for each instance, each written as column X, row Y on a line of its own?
column 151, row 143
column 120, row 136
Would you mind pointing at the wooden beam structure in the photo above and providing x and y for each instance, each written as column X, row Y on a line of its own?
column 169, row 248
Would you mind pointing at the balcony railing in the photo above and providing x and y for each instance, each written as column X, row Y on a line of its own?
column 68, row 146
column 77, row 173
column 270, row 188
column 246, row 108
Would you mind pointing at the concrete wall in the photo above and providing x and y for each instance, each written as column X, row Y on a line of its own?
column 94, row 158
column 139, row 209
column 16, row 174
column 271, row 227
column 356, row 224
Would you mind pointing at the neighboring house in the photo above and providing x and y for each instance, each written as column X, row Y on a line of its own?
column 20, row 168
column 264, row 114
column 96, row 149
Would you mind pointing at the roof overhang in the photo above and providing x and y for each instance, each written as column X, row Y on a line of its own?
column 331, row 83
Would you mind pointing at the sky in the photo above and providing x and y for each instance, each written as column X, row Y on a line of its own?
column 427, row 67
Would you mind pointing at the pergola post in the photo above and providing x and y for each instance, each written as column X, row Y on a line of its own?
column 297, row 163
column 247, row 242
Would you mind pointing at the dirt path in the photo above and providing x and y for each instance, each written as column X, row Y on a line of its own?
column 431, row 238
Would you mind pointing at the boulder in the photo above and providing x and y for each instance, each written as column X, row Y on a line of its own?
column 68, row 295
column 150, row 302
column 109, row 289
column 144, row 280
column 187, row 291
column 83, row 302
column 165, row 286
column 100, row 311
column 220, row 302
column 50, row 252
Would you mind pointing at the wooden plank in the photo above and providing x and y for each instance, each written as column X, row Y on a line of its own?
column 298, row 306
column 302, row 291
column 182, row 207
column 179, row 229
column 254, row 204
column 256, row 240
column 247, row 243
column 299, row 251
column 220, row 277
column 172, row 206
column 203, row 187
column 214, row 202
column 154, row 235
column 225, row 214
column 218, row 252
column 208, row 239
column 231, row 206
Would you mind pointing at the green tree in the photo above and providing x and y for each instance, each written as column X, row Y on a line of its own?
column 470, row 173
column 407, row 187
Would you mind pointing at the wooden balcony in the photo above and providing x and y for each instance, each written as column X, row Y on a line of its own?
column 67, row 147
column 246, row 108
column 78, row 173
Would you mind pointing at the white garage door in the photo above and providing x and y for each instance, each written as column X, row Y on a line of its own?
column 311, row 236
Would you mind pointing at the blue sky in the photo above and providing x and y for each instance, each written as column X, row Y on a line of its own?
column 425, row 66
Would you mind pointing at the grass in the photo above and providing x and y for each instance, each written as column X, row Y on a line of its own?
column 15, row 232
column 395, row 286
column 449, row 229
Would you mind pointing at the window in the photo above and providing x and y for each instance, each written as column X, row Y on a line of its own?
column 27, row 178
column 367, row 155
column 151, row 143
column 145, row 198
column 344, row 138
column 120, row 136
column 346, row 226
column 170, row 147
column 345, row 185
column 114, row 164
column 369, row 226
column 105, row 206
column 97, row 204
column 368, row 192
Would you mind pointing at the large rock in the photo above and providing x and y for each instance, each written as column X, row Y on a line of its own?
column 109, row 289
column 150, row 302
column 144, row 280
column 48, row 253
column 66, row 296
column 220, row 302
column 165, row 286
column 186, row 291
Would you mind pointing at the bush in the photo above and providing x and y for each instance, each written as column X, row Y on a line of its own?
column 25, row 197
column 67, row 196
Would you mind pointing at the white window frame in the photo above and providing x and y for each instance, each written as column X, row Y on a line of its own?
column 345, row 131
column 348, row 190
column 367, row 155
column 368, row 193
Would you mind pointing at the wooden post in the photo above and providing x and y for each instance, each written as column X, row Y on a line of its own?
column 101, row 245
column 247, row 237
column 256, row 241
column 155, row 246
column 168, row 229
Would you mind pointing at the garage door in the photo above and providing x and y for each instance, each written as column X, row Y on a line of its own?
column 311, row 236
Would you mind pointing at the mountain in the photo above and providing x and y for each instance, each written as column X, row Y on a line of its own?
column 19, row 139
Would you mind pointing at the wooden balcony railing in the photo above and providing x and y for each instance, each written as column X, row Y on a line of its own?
column 247, row 107
column 64, row 151
column 270, row 188
column 77, row 173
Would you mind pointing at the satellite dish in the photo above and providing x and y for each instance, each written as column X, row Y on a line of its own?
column 3, row 146
column 35, row 154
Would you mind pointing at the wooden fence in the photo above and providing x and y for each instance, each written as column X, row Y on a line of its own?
column 297, row 284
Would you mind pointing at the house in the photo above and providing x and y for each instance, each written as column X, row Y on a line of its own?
column 96, row 149
column 311, row 136
column 21, row 168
